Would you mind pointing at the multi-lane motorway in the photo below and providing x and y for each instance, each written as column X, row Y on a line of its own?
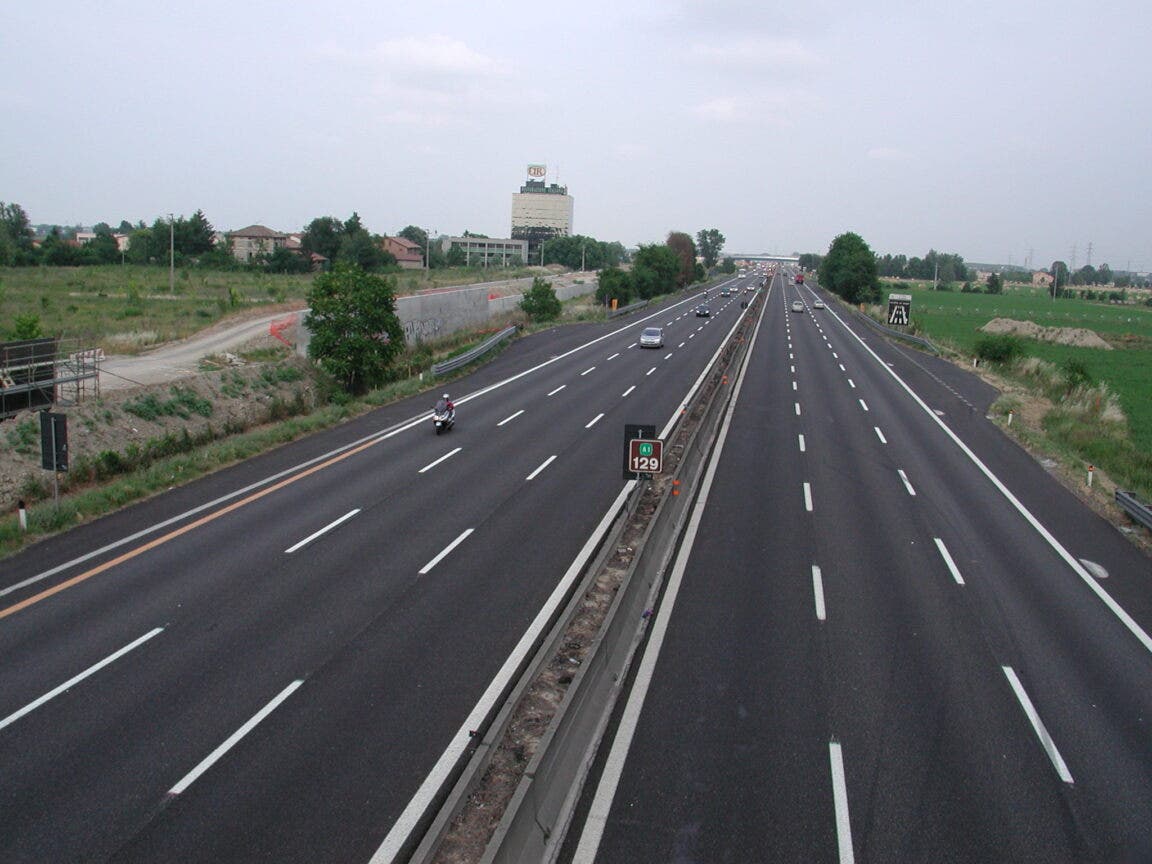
column 878, row 642
column 280, row 662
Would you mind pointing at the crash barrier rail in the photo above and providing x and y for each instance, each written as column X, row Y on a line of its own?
column 1135, row 508
column 536, row 821
column 624, row 310
column 896, row 334
column 468, row 356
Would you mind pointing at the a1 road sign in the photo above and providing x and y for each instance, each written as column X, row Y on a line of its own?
column 645, row 456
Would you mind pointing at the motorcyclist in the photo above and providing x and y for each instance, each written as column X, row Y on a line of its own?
column 446, row 404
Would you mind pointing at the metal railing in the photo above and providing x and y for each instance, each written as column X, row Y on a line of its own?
column 468, row 356
column 624, row 310
column 1135, row 508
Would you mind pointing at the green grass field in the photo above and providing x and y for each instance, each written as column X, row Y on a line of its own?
column 954, row 319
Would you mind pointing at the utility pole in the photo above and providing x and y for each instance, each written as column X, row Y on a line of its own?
column 171, row 254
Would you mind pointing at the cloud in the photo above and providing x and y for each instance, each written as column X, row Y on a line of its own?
column 430, row 80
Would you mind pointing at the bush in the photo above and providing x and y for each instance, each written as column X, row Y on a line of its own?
column 1001, row 348
column 540, row 302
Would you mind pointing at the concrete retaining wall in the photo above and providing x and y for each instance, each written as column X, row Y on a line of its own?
column 439, row 313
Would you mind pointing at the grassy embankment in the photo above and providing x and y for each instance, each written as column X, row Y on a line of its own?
column 1079, row 426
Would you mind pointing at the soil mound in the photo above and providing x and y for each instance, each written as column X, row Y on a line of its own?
column 1077, row 336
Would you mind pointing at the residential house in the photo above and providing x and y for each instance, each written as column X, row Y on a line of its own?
column 247, row 243
column 408, row 255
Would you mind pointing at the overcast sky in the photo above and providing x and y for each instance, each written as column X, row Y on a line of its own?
column 990, row 129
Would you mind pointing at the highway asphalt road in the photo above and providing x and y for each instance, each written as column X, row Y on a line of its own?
column 270, row 664
column 867, row 651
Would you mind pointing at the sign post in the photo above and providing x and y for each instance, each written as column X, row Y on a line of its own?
column 54, row 448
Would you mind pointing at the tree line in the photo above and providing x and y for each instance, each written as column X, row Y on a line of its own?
column 660, row 268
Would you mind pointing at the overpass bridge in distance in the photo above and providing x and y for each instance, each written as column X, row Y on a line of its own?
column 757, row 257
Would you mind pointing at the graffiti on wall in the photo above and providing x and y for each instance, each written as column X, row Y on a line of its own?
column 423, row 328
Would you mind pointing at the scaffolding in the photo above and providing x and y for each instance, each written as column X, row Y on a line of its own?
column 36, row 374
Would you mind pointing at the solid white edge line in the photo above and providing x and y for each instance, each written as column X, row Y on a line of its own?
column 543, row 465
column 510, row 417
column 880, row 435
column 593, row 421
column 213, row 757
column 73, row 681
column 1038, row 726
column 629, row 390
column 807, row 496
column 447, row 455
column 907, row 483
column 947, row 556
column 597, row 817
column 818, row 591
column 840, row 799
column 445, row 552
column 558, row 389
column 1127, row 620
column 322, row 531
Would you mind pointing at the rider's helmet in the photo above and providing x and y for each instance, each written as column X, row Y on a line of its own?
column 447, row 398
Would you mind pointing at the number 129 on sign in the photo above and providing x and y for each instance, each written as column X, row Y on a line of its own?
column 645, row 457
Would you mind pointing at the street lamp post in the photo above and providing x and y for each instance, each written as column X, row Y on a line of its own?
column 171, row 254
column 428, row 249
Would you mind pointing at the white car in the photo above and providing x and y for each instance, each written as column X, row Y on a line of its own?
column 797, row 306
column 819, row 304
column 652, row 337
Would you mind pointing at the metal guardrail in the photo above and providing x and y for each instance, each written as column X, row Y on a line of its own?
column 631, row 307
column 1135, row 508
column 895, row 334
column 468, row 356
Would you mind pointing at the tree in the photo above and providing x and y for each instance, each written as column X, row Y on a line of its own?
column 101, row 249
column 995, row 284
column 281, row 260
column 1104, row 275
column 355, row 331
column 322, row 236
column 849, row 270
column 613, row 284
column 456, row 257
column 195, row 236
column 810, row 261
column 1060, row 277
column 364, row 250
column 727, row 266
column 685, row 250
column 654, row 270
column 540, row 301
column 14, row 223
column 709, row 242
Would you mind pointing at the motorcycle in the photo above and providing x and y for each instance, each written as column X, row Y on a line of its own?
column 443, row 417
